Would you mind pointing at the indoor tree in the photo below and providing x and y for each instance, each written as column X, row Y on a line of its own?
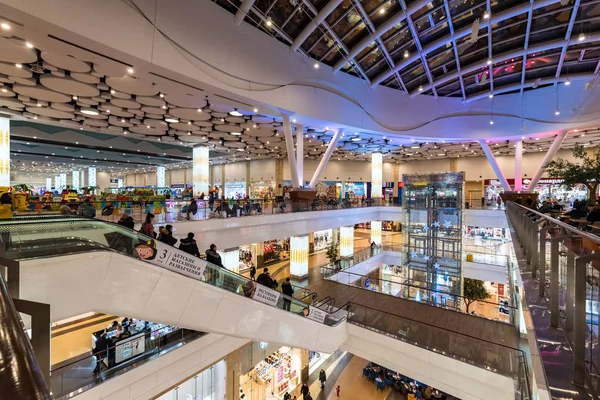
column 332, row 252
column 586, row 171
column 474, row 290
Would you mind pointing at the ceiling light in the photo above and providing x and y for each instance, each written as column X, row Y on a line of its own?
column 29, row 45
column 236, row 133
column 441, row 154
column 486, row 15
column 355, row 139
column 161, row 95
column 4, row 90
column 171, row 120
column 38, row 104
column 406, row 54
column 294, row 120
column 491, row 122
column 489, row 61
column 316, row 65
column 87, row 111
column 255, row 110
column 581, row 37
column 269, row 21
column 130, row 70
column 35, row 117
column 491, row 95
column 421, row 88
column 236, row 113
column 19, row 65
column 567, row 82
column 557, row 112
column 5, row 26
column 112, row 91
column 75, row 97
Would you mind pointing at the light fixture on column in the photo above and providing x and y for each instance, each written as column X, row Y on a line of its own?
column 420, row 88
column 376, row 175
column 200, row 170
column 63, row 181
column 75, row 180
column 316, row 65
column 567, row 82
column 489, row 61
column 160, row 176
column 4, row 152
column 299, row 256
column 486, row 14
column 48, row 184
column 376, row 232
column 346, row 241
column 92, row 176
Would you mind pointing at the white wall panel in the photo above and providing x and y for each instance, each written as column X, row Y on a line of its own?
column 262, row 170
column 236, row 172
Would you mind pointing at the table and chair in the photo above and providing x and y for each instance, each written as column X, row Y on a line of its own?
column 383, row 378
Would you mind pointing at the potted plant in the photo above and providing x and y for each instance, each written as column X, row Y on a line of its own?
column 585, row 172
column 473, row 290
column 332, row 253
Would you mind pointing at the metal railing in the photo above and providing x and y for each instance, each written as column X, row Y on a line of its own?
column 564, row 261
column 20, row 374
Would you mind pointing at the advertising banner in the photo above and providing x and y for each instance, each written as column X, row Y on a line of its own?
column 171, row 258
column 315, row 314
column 266, row 295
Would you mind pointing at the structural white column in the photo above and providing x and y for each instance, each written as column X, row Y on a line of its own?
column 289, row 145
column 160, row 177
column 63, row 181
column 75, row 178
column 549, row 155
column 376, row 175
column 4, row 152
column 299, row 256
column 519, row 166
column 231, row 259
column 48, row 184
column 494, row 164
column 376, row 232
column 300, row 153
column 325, row 158
column 200, row 171
column 91, row 177
column 120, row 183
column 57, row 182
column 82, row 181
column 346, row 241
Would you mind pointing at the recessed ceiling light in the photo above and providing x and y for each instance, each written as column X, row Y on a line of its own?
column 316, row 65
column 557, row 112
column 406, row 54
column 355, row 139
column 294, row 120
column 89, row 111
column 269, row 21
column 491, row 95
column 4, row 90
column 236, row 133
column 130, row 70
column 255, row 110
column 491, row 122
column 161, row 95
column 112, row 91
column 581, row 37
column 420, row 88
column 382, row 11
column 29, row 45
column 486, row 15
column 171, row 120
column 75, row 97
column 19, row 65
column 240, row 150
column 489, row 61
column 567, row 82
column 235, row 113
column 5, row 26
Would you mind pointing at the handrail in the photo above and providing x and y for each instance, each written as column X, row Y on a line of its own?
column 20, row 375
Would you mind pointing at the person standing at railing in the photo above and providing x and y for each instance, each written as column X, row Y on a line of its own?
column 288, row 290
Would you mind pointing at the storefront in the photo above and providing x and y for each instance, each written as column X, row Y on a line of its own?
column 315, row 360
column 276, row 250
column 500, row 235
column 323, row 239
column 329, row 190
column 390, row 226
column 235, row 190
column 247, row 257
column 210, row 384
column 262, row 190
column 546, row 187
column 354, row 189
column 277, row 372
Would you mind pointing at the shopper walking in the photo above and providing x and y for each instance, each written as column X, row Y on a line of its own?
column 252, row 272
column 304, row 391
column 337, row 391
column 148, row 226
column 322, row 378
column 264, row 278
column 189, row 245
column 192, row 208
column 126, row 220
column 288, row 290
column 211, row 201
column 213, row 257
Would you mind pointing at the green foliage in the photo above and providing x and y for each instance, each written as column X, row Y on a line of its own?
column 474, row 290
column 332, row 252
column 586, row 171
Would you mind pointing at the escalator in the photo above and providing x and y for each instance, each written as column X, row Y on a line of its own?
column 78, row 265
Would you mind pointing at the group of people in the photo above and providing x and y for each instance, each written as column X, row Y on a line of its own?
column 104, row 343
column 580, row 209
column 86, row 209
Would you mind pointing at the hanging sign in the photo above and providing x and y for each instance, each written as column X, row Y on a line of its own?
column 171, row 258
column 266, row 296
column 315, row 314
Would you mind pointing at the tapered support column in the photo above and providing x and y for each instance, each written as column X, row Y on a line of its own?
column 200, row 171
column 346, row 241
column 519, row 166
column 547, row 158
column 300, row 153
column 376, row 232
column 299, row 256
column 494, row 163
column 289, row 145
column 4, row 152
column 160, row 177
column 326, row 158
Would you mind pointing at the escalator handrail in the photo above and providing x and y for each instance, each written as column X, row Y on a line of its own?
column 21, row 377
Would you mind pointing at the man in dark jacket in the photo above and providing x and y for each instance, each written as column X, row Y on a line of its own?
column 100, row 351
column 264, row 278
column 288, row 290
column 126, row 220
column 213, row 257
column 192, row 208
column 304, row 390
column 594, row 215
column 166, row 235
column 189, row 245
column 322, row 378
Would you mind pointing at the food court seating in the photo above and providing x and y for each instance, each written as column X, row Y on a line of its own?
column 380, row 385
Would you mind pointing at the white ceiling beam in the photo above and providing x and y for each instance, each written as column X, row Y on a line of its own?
column 457, row 59
column 241, row 13
column 549, row 155
column 466, row 31
column 289, row 145
column 386, row 26
column 568, row 39
column 314, row 23
column 526, row 45
column 415, row 35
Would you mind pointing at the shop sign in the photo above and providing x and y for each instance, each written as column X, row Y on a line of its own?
column 501, row 289
column 178, row 186
column 280, row 374
column 171, row 258
column 266, row 296
column 315, row 314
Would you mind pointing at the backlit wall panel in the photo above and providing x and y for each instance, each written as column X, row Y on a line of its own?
column 160, row 177
column 92, row 176
column 299, row 256
column 75, row 183
column 200, row 170
column 63, row 181
column 231, row 259
column 376, row 232
column 376, row 175
column 48, row 184
column 346, row 241
column 4, row 152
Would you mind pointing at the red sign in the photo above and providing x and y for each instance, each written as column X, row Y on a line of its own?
column 511, row 181
column 501, row 289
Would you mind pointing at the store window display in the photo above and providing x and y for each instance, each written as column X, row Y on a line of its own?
column 276, row 250
column 235, row 190
column 262, row 190
column 210, row 384
column 323, row 239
